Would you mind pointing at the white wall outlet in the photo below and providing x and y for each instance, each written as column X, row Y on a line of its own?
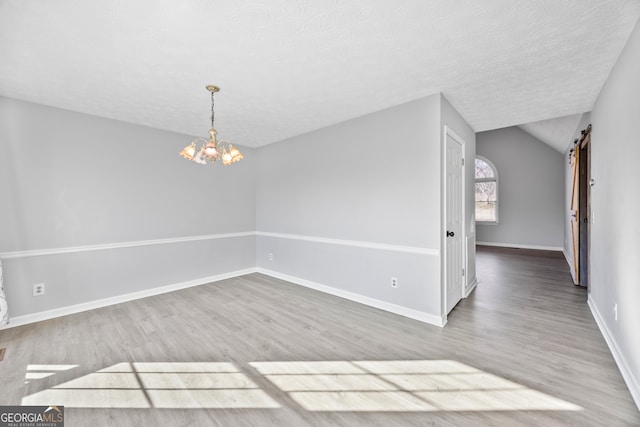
column 615, row 312
column 38, row 289
column 270, row 256
column 394, row 282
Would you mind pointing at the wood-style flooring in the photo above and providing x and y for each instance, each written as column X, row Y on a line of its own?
column 522, row 350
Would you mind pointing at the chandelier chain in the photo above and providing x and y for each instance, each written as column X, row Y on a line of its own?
column 212, row 112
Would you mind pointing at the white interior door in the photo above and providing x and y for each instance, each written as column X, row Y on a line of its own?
column 453, row 221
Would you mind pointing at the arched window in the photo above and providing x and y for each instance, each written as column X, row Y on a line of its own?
column 486, row 191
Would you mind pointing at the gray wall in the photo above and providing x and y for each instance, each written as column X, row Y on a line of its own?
column 530, row 190
column 372, row 180
column 615, row 202
column 355, row 180
column 74, row 180
column 330, row 201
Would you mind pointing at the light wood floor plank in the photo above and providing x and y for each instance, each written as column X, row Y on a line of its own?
column 522, row 350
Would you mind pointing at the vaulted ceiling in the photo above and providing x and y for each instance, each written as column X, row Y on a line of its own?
column 287, row 67
column 558, row 132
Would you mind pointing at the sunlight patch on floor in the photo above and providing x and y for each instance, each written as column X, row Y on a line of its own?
column 89, row 398
column 38, row 372
column 403, row 385
column 158, row 385
column 50, row 367
column 38, row 375
column 353, row 386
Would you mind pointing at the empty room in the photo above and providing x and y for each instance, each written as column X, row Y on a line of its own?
column 289, row 213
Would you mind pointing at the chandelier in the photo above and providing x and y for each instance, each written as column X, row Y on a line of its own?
column 211, row 149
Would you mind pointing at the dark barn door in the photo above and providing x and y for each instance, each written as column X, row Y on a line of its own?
column 585, row 206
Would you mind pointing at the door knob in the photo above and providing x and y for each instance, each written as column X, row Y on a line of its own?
column 450, row 233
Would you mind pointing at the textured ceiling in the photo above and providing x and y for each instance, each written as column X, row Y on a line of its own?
column 557, row 133
column 287, row 67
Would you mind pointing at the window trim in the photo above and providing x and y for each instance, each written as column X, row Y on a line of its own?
column 494, row 179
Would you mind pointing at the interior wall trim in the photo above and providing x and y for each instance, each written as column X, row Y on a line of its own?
column 104, row 302
column 371, row 302
column 470, row 287
column 107, row 246
column 470, row 282
column 633, row 383
column 519, row 246
column 353, row 243
column 101, row 247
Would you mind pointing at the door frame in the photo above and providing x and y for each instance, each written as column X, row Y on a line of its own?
column 447, row 131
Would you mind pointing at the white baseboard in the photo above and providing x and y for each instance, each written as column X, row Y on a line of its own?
column 520, row 246
column 633, row 383
column 372, row 302
column 470, row 287
column 78, row 308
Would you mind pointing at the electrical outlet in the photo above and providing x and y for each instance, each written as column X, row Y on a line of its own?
column 615, row 312
column 394, row 282
column 38, row 289
column 270, row 257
